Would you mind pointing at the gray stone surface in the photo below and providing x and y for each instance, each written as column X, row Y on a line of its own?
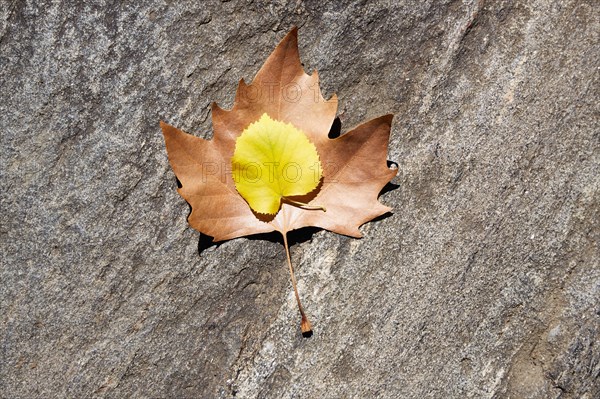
column 484, row 283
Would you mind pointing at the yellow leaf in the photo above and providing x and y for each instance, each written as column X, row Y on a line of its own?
column 273, row 161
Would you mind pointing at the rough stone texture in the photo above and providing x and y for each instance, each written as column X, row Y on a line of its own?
column 484, row 283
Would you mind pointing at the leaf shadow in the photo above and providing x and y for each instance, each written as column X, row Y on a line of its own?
column 294, row 237
column 381, row 217
column 336, row 129
column 387, row 188
column 306, row 198
column 302, row 235
column 205, row 242
column 263, row 217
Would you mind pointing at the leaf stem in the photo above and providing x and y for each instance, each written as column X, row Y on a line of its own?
column 305, row 206
column 305, row 325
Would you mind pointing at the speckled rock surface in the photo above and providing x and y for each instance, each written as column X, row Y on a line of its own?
column 484, row 283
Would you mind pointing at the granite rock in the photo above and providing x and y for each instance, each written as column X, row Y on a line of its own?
column 483, row 283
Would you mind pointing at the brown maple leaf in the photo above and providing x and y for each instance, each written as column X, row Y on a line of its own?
column 354, row 164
